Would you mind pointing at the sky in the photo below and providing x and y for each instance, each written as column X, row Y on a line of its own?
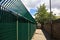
column 32, row 5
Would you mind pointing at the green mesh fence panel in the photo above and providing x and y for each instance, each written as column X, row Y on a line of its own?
column 7, row 26
column 17, row 7
column 23, row 29
column 12, row 11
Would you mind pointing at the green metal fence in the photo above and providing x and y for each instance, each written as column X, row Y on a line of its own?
column 16, row 23
column 26, row 29
column 7, row 26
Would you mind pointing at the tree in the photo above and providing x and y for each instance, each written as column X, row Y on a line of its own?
column 42, row 15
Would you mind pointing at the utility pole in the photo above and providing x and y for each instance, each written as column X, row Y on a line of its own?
column 51, row 18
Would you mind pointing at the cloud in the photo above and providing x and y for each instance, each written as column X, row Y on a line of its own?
column 54, row 4
column 56, row 11
column 33, row 16
column 32, row 5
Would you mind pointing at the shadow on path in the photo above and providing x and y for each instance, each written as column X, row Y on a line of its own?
column 48, row 37
column 41, row 35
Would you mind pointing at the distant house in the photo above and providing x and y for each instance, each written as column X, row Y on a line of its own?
column 38, row 25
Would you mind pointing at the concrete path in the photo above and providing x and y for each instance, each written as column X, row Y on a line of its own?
column 39, row 35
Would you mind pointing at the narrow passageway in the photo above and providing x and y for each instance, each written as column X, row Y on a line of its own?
column 40, row 35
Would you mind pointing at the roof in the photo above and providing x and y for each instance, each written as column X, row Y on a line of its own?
column 17, row 7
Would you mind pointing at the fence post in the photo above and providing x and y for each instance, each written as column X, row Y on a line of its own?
column 28, row 30
column 17, row 26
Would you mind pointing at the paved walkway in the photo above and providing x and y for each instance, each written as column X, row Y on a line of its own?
column 39, row 35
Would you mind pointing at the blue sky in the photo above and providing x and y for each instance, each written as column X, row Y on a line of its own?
column 33, row 11
column 32, row 5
